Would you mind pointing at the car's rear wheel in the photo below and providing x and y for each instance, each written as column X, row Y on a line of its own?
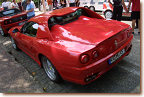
column 108, row 14
column 2, row 32
column 92, row 8
column 14, row 44
column 50, row 70
column 86, row 7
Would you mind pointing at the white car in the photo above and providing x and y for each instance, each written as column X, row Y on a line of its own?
column 103, row 6
column 108, row 10
column 94, row 5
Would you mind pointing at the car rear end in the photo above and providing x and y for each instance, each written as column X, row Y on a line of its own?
column 13, row 21
column 110, row 40
column 97, row 61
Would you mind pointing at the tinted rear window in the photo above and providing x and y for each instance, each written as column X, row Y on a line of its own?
column 62, row 20
column 9, row 12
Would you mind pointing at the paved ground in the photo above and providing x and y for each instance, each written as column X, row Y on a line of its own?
column 123, row 78
column 14, row 78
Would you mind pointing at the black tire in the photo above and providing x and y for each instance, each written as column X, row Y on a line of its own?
column 14, row 44
column 108, row 14
column 50, row 70
column 2, row 32
column 86, row 7
column 92, row 8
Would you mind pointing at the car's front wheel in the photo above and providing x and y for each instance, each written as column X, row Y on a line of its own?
column 50, row 70
column 14, row 44
column 86, row 7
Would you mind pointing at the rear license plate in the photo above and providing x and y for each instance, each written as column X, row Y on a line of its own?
column 116, row 56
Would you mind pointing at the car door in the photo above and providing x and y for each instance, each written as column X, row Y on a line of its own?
column 28, row 38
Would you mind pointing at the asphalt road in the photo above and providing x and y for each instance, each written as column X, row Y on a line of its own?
column 123, row 78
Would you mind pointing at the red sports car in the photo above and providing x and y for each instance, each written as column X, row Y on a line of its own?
column 73, row 43
column 11, row 18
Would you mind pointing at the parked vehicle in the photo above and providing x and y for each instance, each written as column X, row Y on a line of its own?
column 73, row 43
column 104, row 7
column 94, row 5
column 108, row 9
column 10, row 18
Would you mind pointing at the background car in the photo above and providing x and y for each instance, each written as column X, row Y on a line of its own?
column 10, row 18
column 104, row 7
column 94, row 5
column 73, row 43
column 108, row 9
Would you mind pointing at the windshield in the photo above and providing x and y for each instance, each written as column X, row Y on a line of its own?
column 62, row 20
column 9, row 12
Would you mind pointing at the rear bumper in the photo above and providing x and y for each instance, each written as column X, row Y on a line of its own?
column 93, row 71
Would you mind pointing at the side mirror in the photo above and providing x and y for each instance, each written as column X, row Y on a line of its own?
column 16, row 30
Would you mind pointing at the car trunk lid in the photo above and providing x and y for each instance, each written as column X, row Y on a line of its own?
column 88, row 30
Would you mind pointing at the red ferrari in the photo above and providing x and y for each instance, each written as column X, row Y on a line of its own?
column 73, row 43
column 11, row 18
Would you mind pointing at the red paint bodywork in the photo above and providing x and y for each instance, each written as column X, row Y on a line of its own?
column 6, row 27
column 1, row 8
column 64, row 44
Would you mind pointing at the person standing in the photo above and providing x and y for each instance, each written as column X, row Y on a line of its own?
column 72, row 3
column 63, row 3
column 9, row 4
column 30, row 9
column 20, row 5
column 118, row 9
column 77, row 3
column 33, row 4
column 136, row 24
column 50, row 5
column 55, row 4
column 24, row 4
column 14, row 4
column 135, row 13
column 4, row 5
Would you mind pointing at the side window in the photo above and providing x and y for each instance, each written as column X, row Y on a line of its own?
column 101, row 2
column 23, row 29
column 30, row 29
column 92, row 2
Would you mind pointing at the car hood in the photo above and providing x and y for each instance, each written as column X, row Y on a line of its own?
column 88, row 30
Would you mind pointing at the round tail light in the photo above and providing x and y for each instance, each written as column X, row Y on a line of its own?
column 84, row 59
column 94, row 54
